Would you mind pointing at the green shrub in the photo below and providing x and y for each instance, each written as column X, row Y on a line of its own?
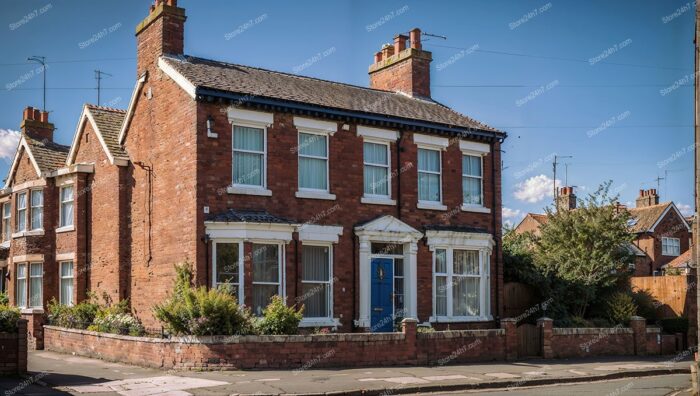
column 8, row 319
column 674, row 325
column 279, row 319
column 425, row 329
column 646, row 305
column 579, row 322
column 118, row 323
column 199, row 311
column 4, row 299
column 620, row 308
column 79, row 316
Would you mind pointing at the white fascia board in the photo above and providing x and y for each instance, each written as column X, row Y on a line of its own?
column 179, row 79
column 15, row 162
column 132, row 107
column 315, row 126
column 429, row 141
column 377, row 134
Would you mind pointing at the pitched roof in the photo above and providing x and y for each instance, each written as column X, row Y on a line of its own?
column 540, row 218
column 109, row 122
column 256, row 82
column 48, row 155
column 685, row 260
column 247, row 216
column 646, row 217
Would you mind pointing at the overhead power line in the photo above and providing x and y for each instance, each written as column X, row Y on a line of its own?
column 558, row 86
column 558, row 58
column 72, row 61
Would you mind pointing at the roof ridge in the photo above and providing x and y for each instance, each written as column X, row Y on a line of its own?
column 98, row 107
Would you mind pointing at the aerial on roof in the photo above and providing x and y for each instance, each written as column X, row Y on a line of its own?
column 211, row 75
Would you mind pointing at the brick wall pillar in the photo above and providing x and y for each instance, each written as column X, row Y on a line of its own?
column 22, row 346
column 546, row 325
column 35, row 328
column 409, row 327
column 639, row 327
column 509, row 325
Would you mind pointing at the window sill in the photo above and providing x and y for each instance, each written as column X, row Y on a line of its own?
column 249, row 191
column 315, row 195
column 378, row 201
column 5, row 244
column 65, row 229
column 460, row 319
column 432, row 206
column 23, row 234
column 31, row 311
column 475, row 209
column 319, row 322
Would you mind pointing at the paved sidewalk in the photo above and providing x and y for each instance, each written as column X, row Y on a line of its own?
column 77, row 375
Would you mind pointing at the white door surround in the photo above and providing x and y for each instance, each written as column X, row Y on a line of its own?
column 388, row 229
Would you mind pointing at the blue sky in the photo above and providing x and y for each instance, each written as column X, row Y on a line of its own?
column 609, row 83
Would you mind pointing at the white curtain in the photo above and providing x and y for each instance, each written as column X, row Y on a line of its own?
column 248, row 156
column 21, row 285
column 22, row 212
column 428, row 175
column 376, row 169
column 37, row 208
column 313, row 158
column 66, row 206
column 466, row 283
column 471, row 180
column 36, row 273
column 316, row 278
column 67, row 283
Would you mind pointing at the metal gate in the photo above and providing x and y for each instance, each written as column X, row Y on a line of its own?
column 529, row 341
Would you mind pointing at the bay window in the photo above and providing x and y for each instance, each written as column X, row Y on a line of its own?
column 66, row 287
column 316, row 281
column 21, row 212
column 472, row 180
column 249, row 156
column 66, row 207
column 429, row 175
column 37, row 209
column 267, row 274
column 227, row 268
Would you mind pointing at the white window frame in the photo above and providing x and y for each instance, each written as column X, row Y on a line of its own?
column 61, row 297
column 387, row 166
column 32, row 208
column 480, row 178
column 25, row 278
column 6, row 221
column 475, row 149
column 435, row 205
column 321, row 320
column 22, row 211
column 670, row 243
column 484, row 285
column 61, row 203
column 240, row 187
column 327, row 129
column 282, row 259
column 241, row 263
column 41, row 286
column 326, row 158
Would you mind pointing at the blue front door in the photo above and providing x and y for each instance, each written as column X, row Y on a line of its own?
column 382, row 316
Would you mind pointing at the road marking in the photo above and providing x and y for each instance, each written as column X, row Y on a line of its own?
column 153, row 386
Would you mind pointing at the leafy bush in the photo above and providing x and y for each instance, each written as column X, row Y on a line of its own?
column 4, row 299
column 279, row 319
column 674, row 325
column 199, row 311
column 79, row 316
column 8, row 319
column 425, row 329
column 118, row 323
column 646, row 305
column 620, row 308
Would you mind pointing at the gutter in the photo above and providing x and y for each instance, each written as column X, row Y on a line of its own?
column 399, row 122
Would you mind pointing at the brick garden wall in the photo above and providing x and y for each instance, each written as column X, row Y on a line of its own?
column 13, row 351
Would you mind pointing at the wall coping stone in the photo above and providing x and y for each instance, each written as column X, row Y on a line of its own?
column 591, row 331
column 653, row 329
column 462, row 334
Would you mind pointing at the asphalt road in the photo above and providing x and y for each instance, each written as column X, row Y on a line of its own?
column 672, row 385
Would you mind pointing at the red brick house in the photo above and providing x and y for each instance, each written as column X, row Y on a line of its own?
column 661, row 232
column 363, row 204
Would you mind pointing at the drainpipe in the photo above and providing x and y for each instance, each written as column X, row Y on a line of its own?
column 495, row 224
column 398, row 175
column 88, row 257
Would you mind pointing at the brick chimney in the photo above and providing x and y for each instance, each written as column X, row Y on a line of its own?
column 35, row 124
column 566, row 199
column 647, row 198
column 162, row 32
column 402, row 66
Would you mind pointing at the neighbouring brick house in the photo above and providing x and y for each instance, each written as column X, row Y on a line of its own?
column 363, row 204
column 661, row 232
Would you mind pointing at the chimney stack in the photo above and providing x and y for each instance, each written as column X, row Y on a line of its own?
column 35, row 124
column 161, row 32
column 403, row 66
column 567, row 199
column 647, row 198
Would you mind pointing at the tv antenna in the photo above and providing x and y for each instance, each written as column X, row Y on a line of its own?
column 98, row 77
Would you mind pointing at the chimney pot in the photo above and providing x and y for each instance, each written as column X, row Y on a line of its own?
column 399, row 43
column 378, row 57
column 415, row 39
column 44, row 117
column 37, row 115
column 387, row 51
column 28, row 113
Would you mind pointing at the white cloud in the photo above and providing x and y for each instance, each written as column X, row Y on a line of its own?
column 686, row 210
column 9, row 140
column 535, row 189
column 509, row 213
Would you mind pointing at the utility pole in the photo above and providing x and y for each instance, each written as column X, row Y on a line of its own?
column 98, row 77
column 658, row 184
column 554, row 181
column 42, row 61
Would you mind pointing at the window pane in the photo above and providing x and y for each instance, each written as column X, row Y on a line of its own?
column 66, row 214
column 67, row 269
column 6, row 210
column 261, row 297
column 227, row 263
column 251, row 139
column 265, row 263
column 398, row 296
column 471, row 165
column 441, row 261
column 35, row 285
column 66, row 294
column 316, row 299
column 248, row 168
column 37, row 209
column 428, row 160
column 387, row 248
column 466, row 262
column 315, row 263
column 312, row 173
column 376, row 180
column 67, row 194
column 428, row 187
column 465, row 296
column 441, row 296
column 314, row 145
column 375, row 154
column 22, row 201
column 21, row 292
column 398, row 267
column 471, row 191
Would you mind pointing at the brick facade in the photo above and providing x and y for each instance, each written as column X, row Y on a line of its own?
column 13, row 348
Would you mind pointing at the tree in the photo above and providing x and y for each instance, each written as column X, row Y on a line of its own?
column 583, row 251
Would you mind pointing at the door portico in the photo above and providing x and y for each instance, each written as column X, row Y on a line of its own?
column 387, row 230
